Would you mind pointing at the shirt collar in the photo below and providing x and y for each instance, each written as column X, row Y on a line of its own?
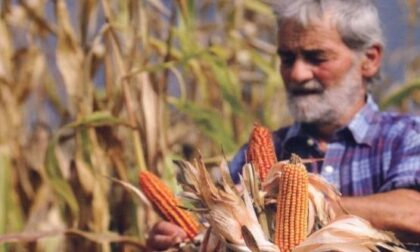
column 359, row 126
column 362, row 123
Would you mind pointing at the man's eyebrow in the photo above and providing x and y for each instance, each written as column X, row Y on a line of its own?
column 307, row 51
column 314, row 51
column 283, row 51
column 318, row 52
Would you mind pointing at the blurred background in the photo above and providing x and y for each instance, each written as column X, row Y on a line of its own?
column 93, row 89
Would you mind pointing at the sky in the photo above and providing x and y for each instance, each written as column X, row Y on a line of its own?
column 399, row 52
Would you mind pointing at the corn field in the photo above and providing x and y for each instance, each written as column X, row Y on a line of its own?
column 96, row 90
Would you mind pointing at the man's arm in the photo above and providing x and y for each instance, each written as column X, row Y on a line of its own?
column 397, row 211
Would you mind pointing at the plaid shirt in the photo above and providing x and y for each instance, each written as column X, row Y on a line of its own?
column 376, row 152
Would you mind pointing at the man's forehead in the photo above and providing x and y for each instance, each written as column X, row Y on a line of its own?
column 318, row 36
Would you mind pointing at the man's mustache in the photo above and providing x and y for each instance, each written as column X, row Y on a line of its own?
column 309, row 87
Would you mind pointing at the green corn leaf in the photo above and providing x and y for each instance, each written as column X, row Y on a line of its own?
column 209, row 121
column 227, row 83
column 169, row 174
column 56, row 179
column 4, row 192
column 266, row 65
column 97, row 119
column 86, row 146
column 169, row 64
column 260, row 8
column 401, row 95
column 192, row 12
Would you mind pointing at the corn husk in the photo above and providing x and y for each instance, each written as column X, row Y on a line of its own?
column 349, row 233
column 234, row 225
column 231, row 216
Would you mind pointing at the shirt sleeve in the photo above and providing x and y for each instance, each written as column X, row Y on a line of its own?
column 404, row 171
column 238, row 161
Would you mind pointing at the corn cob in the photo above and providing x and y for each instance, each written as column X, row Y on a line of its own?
column 166, row 203
column 261, row 150
column 292, row 205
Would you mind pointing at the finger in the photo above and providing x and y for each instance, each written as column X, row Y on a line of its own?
column 169, row 229
column 163, row 242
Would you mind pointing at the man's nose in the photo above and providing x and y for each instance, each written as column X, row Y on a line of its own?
column 300, row 71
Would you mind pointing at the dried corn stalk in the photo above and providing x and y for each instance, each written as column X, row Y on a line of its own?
column 261, row 150
column 166, row 203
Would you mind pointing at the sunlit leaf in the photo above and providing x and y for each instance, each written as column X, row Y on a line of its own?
column 402, row 94
column 98, row 119
column 100, row 208
column 260, row 7
column 151, row 112
column 228, row 84
column 6, row 51
column 88, row 16
column 69, row 56
column 210, row 122
column 140, row 195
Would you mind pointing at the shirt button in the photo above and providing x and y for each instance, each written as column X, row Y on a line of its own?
column 329, row 169
column 310, row 142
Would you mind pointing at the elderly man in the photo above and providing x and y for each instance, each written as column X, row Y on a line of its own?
column 330, row 53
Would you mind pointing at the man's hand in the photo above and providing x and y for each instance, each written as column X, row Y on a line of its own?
column 164, row 235
column 396, row 211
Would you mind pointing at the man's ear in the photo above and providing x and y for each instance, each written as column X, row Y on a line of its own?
column 371, row 60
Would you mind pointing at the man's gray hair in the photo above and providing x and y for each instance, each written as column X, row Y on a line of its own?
column 357, row 21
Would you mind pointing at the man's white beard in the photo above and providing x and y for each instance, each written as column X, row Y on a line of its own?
column 328, row 105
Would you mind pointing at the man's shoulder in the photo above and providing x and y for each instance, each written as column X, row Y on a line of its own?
column 400, row 122
column 280, row 134
column 282, row 131
column 400, row 127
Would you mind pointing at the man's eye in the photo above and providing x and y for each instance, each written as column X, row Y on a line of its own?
column 315, row 58
column 287, row 60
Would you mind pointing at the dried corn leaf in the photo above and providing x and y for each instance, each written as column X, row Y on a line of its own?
column 70, row 56
column 129, row 187
column 161, row 7
column 100, row 208
column 228, row 212
column 6, row 53
column 84, row 174
column 348, row 234
column 35, row 11
column 94, row 237
column 150, row 109
column 88, row 16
